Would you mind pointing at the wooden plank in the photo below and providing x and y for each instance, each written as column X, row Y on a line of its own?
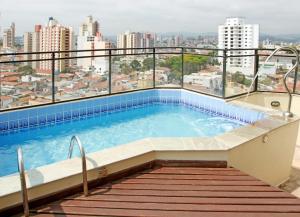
column 190, row 182
column 225, row 194
column 193, row 177
column 177, row 207
column 188, row 187
column 141, row 212
column 194, row 171
column 191, row 163
column 190, row 200
column 59, row 215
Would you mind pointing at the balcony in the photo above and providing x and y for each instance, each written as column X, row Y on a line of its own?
column 51, row 78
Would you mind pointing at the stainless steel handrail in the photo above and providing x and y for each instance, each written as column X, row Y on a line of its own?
column 83, row 159
column 288, row 113
column 23, row 182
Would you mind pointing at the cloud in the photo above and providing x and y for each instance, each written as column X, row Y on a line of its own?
column 274, row 16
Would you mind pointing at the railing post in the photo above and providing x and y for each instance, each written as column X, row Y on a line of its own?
column 256, row 68
column 182, row 66
column 53, row 76
column 109, row 72
column 224, row 72
column 154, row 68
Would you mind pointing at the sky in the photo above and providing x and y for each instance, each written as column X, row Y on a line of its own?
column 115, row 16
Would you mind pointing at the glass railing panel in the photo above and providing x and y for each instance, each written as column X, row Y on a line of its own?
column 168, row 69
column 131, row 72
column 271, row 74
column 239, row 75
column 81, row 77
column 203, row 72
column 24, row 84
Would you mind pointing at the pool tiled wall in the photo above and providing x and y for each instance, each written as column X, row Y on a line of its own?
column 52, row 114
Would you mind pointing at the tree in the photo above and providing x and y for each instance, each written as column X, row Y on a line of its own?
column 125, row 68
column 238, row 77
column 66, row 70
column 26, row 70
column 136, row 65
column 148, row 64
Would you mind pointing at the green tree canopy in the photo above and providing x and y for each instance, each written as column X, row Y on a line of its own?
column 136, row 65
column 26, row 70
column 148, row 63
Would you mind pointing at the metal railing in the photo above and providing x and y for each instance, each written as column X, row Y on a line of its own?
column 76, row 140
column 49, row 90
column 24, row 191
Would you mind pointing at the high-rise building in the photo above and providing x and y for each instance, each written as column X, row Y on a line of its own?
column 36, row 46
column 90, row 38
column 148, row 40
column 236, row 34
column 134, row 40
column 178, row 40
column 122, row 43
column 32, row 44
column 28, row 47
column 89, row 27
column 55, row 37
column 9, row 37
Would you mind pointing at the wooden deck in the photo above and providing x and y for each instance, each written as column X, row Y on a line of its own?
column 179, row 191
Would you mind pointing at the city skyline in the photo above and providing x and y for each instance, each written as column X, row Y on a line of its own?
column 166, row 16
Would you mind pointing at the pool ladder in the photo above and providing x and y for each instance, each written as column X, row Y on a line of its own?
column 21, row 169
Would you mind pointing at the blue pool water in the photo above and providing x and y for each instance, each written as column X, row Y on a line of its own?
column 49, row 144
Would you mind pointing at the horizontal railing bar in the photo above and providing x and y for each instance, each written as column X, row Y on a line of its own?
column 72, row 51
column 81, row 57
column 122, row 49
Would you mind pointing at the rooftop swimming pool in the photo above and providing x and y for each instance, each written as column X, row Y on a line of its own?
column 45, row 133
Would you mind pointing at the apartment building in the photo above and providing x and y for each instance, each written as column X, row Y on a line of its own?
column 134, row 40
column 9, row 37
column 236, row 34
column 55, row 37
column 91, row 38
column 32, row 44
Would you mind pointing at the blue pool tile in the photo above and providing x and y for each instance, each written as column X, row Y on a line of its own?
column 75, row 114
column 59, row 116
column 13, row 124
column 3, row 126
column 50, row 118
column 103, row 108
column 82, row 112
column 97, row 110
column 24, row 123
column 42, row 120
column 67, row 115
column 90, row 111
column 33, row 121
